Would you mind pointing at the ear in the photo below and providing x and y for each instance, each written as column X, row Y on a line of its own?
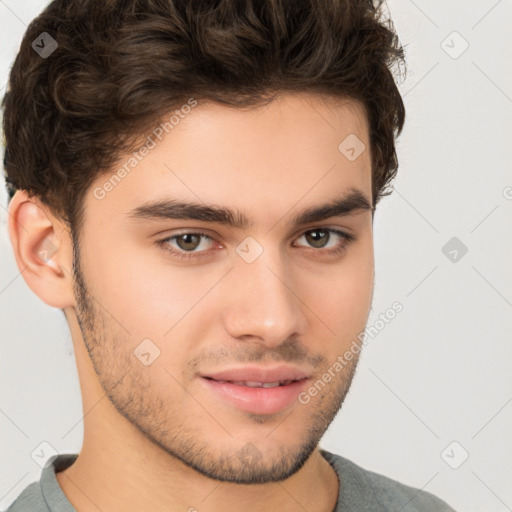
column 43, row 249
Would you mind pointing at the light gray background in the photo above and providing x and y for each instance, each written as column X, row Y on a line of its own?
column 441, row 370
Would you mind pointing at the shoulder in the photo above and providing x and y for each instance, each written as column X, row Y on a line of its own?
column 31, row 498
column 45, row 495
column 361, row 489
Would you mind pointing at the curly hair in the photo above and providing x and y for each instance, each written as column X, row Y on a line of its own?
column 120, row 65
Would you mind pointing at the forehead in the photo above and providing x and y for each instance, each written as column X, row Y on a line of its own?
column 299, row 148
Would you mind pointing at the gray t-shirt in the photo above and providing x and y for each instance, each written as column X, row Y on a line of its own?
column 360, row 491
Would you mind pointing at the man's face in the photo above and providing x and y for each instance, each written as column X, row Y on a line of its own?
column 180, row 328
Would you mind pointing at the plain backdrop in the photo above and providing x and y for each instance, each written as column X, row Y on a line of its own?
column 431, row 402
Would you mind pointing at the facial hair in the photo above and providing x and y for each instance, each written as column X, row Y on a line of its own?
column 146, row 403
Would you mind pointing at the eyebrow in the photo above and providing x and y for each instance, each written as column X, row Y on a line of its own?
column 352, row 202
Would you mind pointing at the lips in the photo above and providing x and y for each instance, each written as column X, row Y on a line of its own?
column 254, row 374
column 260, row 390
column 254, row 384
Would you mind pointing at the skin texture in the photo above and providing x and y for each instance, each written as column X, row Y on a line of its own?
column 155, row 438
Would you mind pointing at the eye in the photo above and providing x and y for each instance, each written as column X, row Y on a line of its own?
column 195, row 244
column 184, row 243
column 322, row 238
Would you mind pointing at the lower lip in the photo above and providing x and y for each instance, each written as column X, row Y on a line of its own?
column 257, row 400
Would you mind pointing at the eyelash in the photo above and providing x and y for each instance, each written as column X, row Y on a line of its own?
column 184, row 255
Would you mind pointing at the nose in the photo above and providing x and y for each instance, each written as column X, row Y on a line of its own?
column 263, row 304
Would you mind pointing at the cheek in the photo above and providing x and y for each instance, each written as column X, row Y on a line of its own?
column 149, row 298
column 356, row 284
column 340, row 294
column 137, row 285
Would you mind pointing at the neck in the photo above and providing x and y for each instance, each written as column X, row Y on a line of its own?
column 113, row 475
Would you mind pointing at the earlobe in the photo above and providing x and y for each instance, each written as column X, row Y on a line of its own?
column 42, row 250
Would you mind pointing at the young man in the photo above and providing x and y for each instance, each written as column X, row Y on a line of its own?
column 193, row 184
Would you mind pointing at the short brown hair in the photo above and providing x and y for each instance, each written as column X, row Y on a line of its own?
column 120, row 65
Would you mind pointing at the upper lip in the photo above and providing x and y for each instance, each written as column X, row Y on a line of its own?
column 258, row 374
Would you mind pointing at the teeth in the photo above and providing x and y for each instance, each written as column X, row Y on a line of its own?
column 256, row 384
column 250, row 383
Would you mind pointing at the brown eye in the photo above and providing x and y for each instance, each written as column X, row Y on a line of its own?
column 326, row 241
column 317, row 238
column 188, row 241
column 187, row 245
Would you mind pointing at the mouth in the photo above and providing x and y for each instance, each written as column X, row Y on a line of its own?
column 256, row 390
column 256, row 384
